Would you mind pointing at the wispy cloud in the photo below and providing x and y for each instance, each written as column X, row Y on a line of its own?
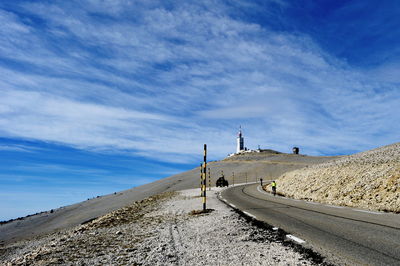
column 96, row 97
column 159, row 79
column 17, row 148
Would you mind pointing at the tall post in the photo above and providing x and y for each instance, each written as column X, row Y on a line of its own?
column 204, row 177
column 233, row 178
column 201, row 179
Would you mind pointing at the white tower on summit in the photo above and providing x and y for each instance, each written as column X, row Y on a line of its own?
column 240, row 141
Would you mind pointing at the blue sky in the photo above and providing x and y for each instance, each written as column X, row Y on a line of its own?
column 100, row 96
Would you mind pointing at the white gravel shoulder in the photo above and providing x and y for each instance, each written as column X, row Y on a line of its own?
column 221, row 237
column 159, row 231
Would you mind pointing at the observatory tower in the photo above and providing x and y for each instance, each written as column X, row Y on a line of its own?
column 240, row 141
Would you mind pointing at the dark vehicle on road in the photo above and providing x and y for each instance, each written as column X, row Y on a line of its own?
column 222, row 182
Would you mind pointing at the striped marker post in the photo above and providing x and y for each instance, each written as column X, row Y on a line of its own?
column 204, row 175
column 201, row 179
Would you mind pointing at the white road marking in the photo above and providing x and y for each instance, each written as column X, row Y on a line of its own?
column 232, row 205
column 315, row 203
column 275, row 228
column 249, row 214
column 296, row 239
column 261, row 190
column 372, row 212
column 242, row 184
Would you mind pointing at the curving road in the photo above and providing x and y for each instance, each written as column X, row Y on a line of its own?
column 343, row 235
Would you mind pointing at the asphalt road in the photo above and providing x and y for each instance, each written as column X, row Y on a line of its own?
column 342, row 235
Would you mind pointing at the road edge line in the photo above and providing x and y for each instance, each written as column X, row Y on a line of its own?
column 249, row 214
column 295, row 239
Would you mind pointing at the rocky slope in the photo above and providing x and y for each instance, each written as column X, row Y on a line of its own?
column 369, row 180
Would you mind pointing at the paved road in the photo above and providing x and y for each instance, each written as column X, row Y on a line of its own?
column 343, row 235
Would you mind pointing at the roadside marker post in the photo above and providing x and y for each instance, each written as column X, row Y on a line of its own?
column 204, row 175
column 233, row 178
column 201, row 179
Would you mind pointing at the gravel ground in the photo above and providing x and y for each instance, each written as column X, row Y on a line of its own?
column 161, row 230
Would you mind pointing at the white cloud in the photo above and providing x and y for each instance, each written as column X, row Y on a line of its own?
column 18, row 148
column 160, row 82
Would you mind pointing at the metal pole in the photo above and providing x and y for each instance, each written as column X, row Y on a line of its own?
column 204, row 177
column 201, row 179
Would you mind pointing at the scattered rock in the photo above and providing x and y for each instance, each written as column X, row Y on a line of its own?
column 369, row 180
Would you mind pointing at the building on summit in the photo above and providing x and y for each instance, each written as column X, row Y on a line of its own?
column 240, row 141
column 240, row 148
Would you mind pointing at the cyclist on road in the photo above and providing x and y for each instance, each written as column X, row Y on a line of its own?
column 273, row 185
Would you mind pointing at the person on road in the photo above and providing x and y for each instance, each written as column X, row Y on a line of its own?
column 273, row 185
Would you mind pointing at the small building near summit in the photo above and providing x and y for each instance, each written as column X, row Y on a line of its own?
column 240, row 141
